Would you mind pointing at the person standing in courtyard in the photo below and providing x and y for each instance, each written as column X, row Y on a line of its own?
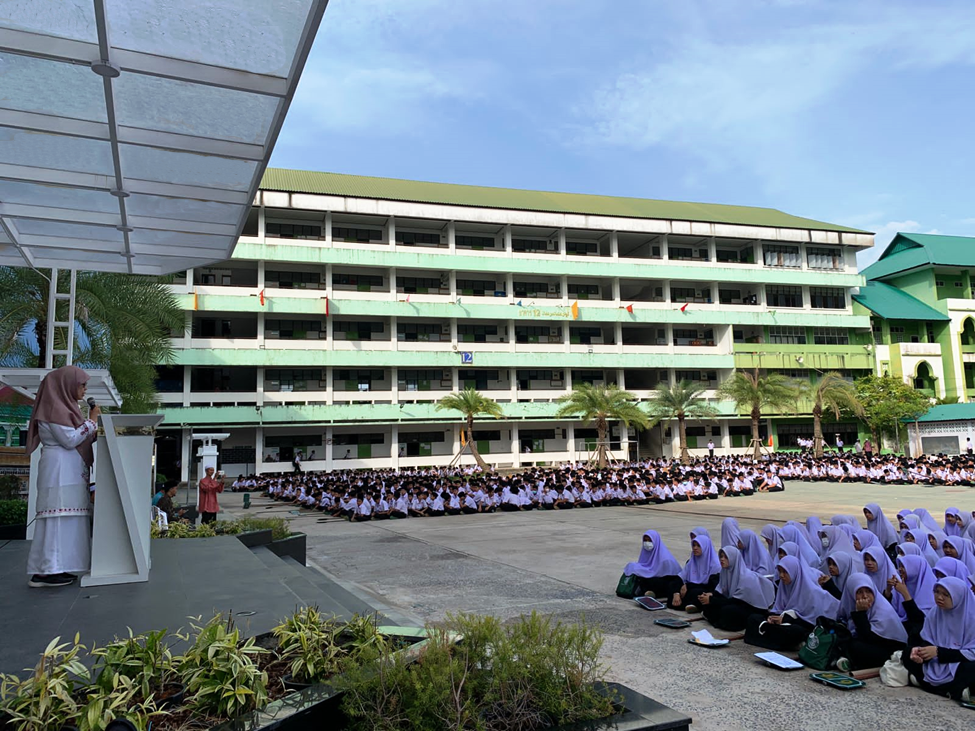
column 710, row 448
column 209, row 487
column 62, row 537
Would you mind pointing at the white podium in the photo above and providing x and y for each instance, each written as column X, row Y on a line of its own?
column 123, row 498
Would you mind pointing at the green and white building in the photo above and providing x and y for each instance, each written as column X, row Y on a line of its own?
column 352, row 304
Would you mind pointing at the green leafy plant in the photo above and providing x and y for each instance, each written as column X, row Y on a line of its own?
column 599, row 405
column 470, row 403
column 119, row 698
column 9, row 488
column 47, row 698
column 144, row 659
column 531, row 674
column 220, row 671
column 280, row 527
column 365, row 641
column 309, row 642
column 13, row 512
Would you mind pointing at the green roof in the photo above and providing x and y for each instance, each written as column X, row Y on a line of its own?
column 893, row 304
column 357, row 186
column 914, row 251
column 950, row 412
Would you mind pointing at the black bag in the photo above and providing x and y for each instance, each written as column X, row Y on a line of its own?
column 626, row 587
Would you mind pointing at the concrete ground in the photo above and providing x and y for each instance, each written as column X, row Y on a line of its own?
column 566, row 564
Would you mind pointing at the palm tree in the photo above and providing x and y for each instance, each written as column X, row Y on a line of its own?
column 123, row 323
column 682, row 401
column 470, row 402
column 753, row 394
column 600, row 405
column 832, row 393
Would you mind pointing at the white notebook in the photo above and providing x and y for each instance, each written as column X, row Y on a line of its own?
column 779, row 661
column 703, row 637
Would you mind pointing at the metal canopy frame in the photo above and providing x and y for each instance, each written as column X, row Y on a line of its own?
column 149, row 162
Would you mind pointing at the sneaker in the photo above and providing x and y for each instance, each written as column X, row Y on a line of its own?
column 843, row 665
column 966, row 695
column 650, row 594
column 692, row 609
column 37, row 581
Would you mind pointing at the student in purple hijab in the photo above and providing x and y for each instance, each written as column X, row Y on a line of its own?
column 955, row 523
column 699, row 575
column 908, row 521
column 937, row 538
column 919, row 536
column 880, row 526
column 799, row 603
column 864, row 538
column 961, row 548
column 791, row 532
column 835, row 541
column 729, row 532
column 913, row 595
column 839, row 567
column 656, row 569
column 813, row 524
column 846, row 520
column 909, row 549
column 949, row 566
column 753, row 553
column 878, row 567
column 699, row 530
column 927, row 521
column 876, row 628
column 773, row 539
column 739, row 594
column 943, row 661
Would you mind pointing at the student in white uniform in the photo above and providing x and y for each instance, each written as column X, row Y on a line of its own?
column 62, row 536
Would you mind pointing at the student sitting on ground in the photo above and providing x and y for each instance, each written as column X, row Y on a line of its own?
column 699, row 575
column 913, row 592
column 877, row 630
column 949, row 566
column 739, row 594
column 363, row 510
column 960, row 548
column 656, row 569
column 839, row 568
column 799, row 603
column 881, row 527
column 753, row 553
column 943, row 661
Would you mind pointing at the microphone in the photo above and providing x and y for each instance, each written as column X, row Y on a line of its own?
column 91, row 403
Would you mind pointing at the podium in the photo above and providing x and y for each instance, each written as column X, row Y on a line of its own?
column 123, row 498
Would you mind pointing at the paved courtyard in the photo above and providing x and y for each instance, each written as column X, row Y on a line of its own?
column 566, row 564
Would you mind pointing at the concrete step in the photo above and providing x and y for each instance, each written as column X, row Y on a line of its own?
column 352, row 602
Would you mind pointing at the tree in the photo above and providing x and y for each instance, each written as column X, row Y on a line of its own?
column 600, row 405
column 470, row 403
column 753, row 394
column 683, row 401
column 887, row 402
column 834, row 394
column 122, row 322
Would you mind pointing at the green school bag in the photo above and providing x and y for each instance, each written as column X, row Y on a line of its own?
column 823, row 646
column 626, row 587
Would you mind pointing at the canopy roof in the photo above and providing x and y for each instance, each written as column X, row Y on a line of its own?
column 910, row 251
column 895, row 304
column 101, row 387
column 134, row 133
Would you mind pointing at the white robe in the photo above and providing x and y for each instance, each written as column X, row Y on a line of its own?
column 62, row 534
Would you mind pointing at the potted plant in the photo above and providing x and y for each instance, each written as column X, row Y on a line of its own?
column 146, row 661
column 117, row 703
column 47, row 699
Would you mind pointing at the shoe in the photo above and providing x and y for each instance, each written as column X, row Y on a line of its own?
column 966, row 695
column 650, row 594
column 843, row 665
column 66, row 575
column 692, row 609
column 37, row 581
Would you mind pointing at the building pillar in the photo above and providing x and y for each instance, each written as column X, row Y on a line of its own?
column 570, row 431
column 186, row 439
column 725, row 435
column 258, row 450
column 393, row 295
column 260, row 330
column 511, row 335
column 391, row 231
column 260, row 275
column 451, row 237
column 614, row 244
column 394, row 446
column 616, row 291
column 452, row 284
column 328, row 233
column 329, row 450
column 260, row 386
column 515, row 446
column 507, row 239
column 329, row 386
column 393, row 334
column 618, row 337
column 187, row 384
column 564, row 289
column 394, row 384
column 664, row 247
column 562, row 248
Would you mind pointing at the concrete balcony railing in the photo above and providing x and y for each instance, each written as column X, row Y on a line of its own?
column 920, row 349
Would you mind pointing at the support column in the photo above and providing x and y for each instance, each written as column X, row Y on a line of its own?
column 393, row 294
column 329, row 387
column 515, row 446
column 186, row 439
column 617, row 298
column 725, row 435
column 562, row 248
column 394, row 446
column 451, row 237
column 618, row 337
column 187, row 383
column 614, row 245
column 328, row 233
column 564, row 289
column 391, row 231
column 329, row 450
column 509, row 286
column 258, row 450
column 393, row 335
column 571, row 435
column 261, row 223
column 260, row 275
column 507, row 239
column 260, row 330
column 394, row 384
column 260, row 386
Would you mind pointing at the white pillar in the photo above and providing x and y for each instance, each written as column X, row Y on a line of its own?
column 614, row 245
column 258, row 450
column 394, row 384
column 391, row 231
column 187, row 383
column 260, row 275
column 571, row 434
column 451, row 237
column 515, row 446
column 394, row 446
column 329, row 458
column 186, row 441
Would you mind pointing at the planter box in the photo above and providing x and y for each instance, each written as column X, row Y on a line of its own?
column 255, row 538
column 294, row 546
column 314, row 707
column 13, row 532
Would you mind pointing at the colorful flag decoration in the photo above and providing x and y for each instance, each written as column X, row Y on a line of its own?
column 261, row 297
column 629, row 308
column 519, row 303
column 683, row 307
column 326, row 307
column 575, row 310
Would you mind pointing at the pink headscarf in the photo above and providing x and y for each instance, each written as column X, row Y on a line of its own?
column 56, row 403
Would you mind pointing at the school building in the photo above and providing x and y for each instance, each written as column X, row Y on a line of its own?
column 921, row 305
column 352, row 304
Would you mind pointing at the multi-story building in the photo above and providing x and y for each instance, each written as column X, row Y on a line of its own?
column 922, row 310
column 352, row 304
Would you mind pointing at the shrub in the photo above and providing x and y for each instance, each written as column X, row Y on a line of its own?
column 144, row 659
column 530, row 675
column 279, row 527
column 121, row 699
column 46, row 699
column 10, row 486
column 13, row 512
column 220, row 672
column 309, row 643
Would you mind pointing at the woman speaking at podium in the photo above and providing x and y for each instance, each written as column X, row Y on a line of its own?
column 62, row 536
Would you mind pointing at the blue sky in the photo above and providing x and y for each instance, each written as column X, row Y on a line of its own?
column 858, row 112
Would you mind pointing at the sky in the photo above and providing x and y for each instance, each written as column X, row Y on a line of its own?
column 857, row 112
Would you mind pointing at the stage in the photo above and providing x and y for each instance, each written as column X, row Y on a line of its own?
column 189, row 577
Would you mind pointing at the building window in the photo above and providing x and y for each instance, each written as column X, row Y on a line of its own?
column 292, row 280
column 821, row 257
column 700, row 378
column 831, row 336
column 898, row 334
column 292, row 231
column 939, row 283
column 358, row 330
column 479, row 288
column 827, row 298
column 362, row 282
column 411, row 238
column 294, row 329
column 356, row 235
column 537, row 289
column 787, row 335
column 463, row 241
column 779, row 296
column 476, row 333
column 534, row 245
column 777, row 255
column 420, row 285
column 581, row 248
column 686, row 253
column 584, row 291
column 422, row 332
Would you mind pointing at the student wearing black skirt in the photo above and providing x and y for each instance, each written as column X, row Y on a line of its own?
column 740, row 593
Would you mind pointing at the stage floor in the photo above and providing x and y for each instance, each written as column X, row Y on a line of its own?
column 190, row 577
